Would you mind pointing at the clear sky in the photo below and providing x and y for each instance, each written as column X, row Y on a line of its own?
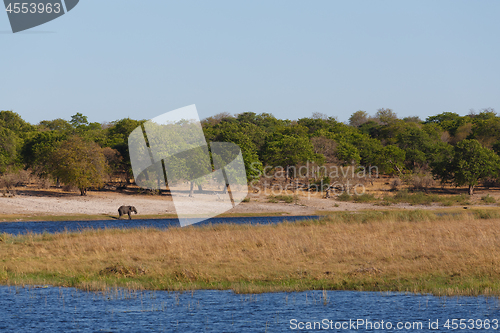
column 111, row 59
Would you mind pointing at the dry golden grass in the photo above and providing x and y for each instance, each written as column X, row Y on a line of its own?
column 405, row 251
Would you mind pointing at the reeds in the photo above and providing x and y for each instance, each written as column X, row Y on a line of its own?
column 415, row 251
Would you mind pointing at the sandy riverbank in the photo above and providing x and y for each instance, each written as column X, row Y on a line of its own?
column 31, row 204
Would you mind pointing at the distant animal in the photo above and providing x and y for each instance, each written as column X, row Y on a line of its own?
column 126, row 210
column 218, row 197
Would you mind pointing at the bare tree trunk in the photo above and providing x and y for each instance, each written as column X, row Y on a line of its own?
column 471, row 189
column 191, row 190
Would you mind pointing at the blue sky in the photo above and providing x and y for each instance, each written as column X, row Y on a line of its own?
column 112, row 59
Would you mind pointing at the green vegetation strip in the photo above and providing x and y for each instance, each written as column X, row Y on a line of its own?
column 419, row 251
column 415, row 198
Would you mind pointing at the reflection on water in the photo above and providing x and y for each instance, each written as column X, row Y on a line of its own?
column 16, row 228
column 49, row 309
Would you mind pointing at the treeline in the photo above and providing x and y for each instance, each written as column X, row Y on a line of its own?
column 450, row 148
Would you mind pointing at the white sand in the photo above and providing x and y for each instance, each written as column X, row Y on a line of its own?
column 92, row 204
column 96, row 203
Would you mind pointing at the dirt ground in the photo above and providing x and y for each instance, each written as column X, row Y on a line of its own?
column 61, row 203
column 36, row 202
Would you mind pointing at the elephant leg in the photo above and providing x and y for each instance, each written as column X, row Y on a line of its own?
column 129, row 217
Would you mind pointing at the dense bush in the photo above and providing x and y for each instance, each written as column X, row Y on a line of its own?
column 448, row 148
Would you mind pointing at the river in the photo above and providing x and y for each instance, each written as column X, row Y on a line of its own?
column 16, row 228
column 49, row 309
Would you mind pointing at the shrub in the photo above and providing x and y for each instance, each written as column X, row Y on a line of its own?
column 417, row 198
column 487, row 199
column 272, row 199
column 321, row 184
column 364, row 198
column 43, row 182
column 344, row 197
column 422, row 182
column 419, row 181
column 284, row 198
column 420, row 198
column 396, row 184
column 11, row 179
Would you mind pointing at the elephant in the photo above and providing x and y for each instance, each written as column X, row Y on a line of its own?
column 126, row 210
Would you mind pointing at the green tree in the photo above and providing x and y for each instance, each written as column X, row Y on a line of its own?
column 287, row 151
column 58, row 124
column 265, row 121
column 10, row 144
column 369, row 150
column 371, row 127
column 472, row 162
column 314, row 125
column 37, row 152
column 412, row 119
column 449, row 121
column 15, row 123
column 487, row 131
column 386, row 116
column 326, row 147
column 358, row 118
column 117, row 138
column 347, row 153
column 79, row 120
column 417, row 144
column 231, row 131
column 391, row 159
column 80, row 163
column 13, row 131
column 440, row 156
column 484, row 114
column 214, row 120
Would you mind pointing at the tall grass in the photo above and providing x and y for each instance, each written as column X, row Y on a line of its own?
column 416, row 251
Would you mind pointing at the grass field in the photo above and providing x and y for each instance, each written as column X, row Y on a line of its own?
column 414, row 250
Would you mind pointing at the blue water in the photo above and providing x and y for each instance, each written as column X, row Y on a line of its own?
column 51, row 309
column 16, row 228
